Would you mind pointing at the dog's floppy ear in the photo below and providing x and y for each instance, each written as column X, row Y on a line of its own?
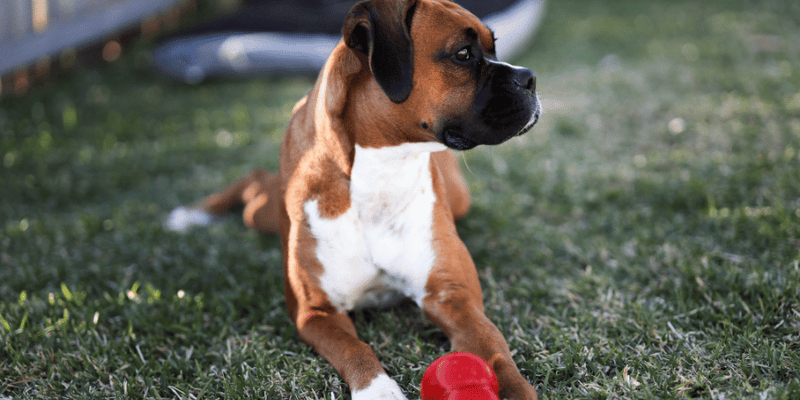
column 381, row 30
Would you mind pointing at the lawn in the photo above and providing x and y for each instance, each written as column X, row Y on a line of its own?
column 643, row 241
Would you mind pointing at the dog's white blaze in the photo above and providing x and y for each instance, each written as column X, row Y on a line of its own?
column 379, row 251
column 381, row 388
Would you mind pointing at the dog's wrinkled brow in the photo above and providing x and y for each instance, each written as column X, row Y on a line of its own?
column 471, row 34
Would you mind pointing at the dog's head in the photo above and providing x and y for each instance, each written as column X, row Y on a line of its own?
column 436, row 63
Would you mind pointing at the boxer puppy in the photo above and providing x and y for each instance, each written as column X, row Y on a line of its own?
column 369, row 189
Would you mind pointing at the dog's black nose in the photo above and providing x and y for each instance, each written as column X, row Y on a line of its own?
column 531, row 83
column 525, row 78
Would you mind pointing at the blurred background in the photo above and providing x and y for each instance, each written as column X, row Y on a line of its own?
column 642, row 241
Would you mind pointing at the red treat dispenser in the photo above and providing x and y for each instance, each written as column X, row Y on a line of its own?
column 459, row 376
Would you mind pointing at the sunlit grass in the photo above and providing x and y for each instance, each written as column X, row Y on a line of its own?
column 642, row 241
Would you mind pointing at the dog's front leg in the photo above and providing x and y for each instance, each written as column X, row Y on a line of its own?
column 333, row 336
column 328, row 330
column 454, row 302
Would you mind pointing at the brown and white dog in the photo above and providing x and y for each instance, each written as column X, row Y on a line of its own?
column 368, row 188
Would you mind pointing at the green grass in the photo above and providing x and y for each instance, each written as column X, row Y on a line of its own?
column 642, row 242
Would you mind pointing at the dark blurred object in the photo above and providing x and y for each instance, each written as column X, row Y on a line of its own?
column 267, row 37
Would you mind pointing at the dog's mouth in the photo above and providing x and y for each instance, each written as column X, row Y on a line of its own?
column 453, row 138
column 457, row 138
column 537, row 112
column 469, row 133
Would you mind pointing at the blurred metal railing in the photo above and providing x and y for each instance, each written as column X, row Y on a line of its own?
column 31, row 30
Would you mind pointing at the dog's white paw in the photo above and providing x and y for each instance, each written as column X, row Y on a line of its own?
column 182, row 218
column 381, row 388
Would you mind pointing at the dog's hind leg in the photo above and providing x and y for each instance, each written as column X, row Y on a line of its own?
column 257, row 191
column 261, row 202
column 455, row 187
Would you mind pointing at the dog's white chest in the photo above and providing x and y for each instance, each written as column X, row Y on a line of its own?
column 380, row 250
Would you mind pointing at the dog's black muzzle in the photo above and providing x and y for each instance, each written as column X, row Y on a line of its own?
column 505, row 106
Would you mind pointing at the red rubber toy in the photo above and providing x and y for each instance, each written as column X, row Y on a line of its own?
column 459, row 376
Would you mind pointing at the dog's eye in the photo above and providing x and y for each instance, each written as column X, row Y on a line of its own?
column 464, row 55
